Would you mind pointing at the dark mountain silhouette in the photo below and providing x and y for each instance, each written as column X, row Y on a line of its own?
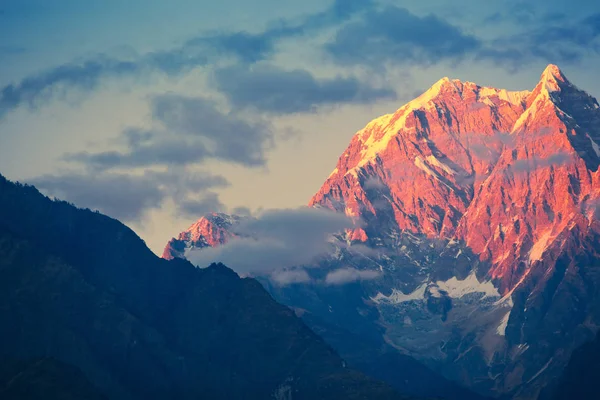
column 82, row 288
column 44, row 378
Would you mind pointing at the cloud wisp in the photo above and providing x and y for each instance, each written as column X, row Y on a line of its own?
column 535, row 163
column 188, row 130
column 344, row 276
column 270, row 89
column 394, row 34
column 290, row 277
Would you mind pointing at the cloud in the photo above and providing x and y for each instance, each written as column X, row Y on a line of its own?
column 290, row 276
column 156, row 152
column 8, row 51
column 229, row 137
column 180, row 181
column 120, row 196
column 188, row 130
column 276, row 239
column 374, row 182
column 242, row 211
column 274, row 90
column 343, row 276
column 208, row 48
column 250, row 48
column 193, row 208
column 128, row 197
column 552, row 38
column 87, row 75
column 394, row 34
column 537, row 163
column 591, row 207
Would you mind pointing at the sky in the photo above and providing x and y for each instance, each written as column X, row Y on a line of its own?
column 158, row 112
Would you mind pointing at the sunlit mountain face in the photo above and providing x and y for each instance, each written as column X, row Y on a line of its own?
column 476, row 236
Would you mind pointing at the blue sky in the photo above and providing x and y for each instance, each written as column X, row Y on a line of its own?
column 156, row 112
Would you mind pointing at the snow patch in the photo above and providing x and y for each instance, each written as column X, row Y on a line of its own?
column 540, row 247
column 422, row 165
column 457, row 289
column 594, row 145
column 432, row 160
column 513, row 97
column 398, row 297
column 503, row 324
column 435, row 292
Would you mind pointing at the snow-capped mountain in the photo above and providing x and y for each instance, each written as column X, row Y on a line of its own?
column 482, row 206
column 505, row 172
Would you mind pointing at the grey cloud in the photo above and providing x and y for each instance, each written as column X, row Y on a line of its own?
column 230, row 137
column 12, row 50
column 591, row 206
column 276, row 239
column 272, row 89
column 177, row 151
column 34, row 89
column 179, row 181
column 191, row 208
column 250, row 48
column 552, row 38
column 87, row 75
column 537, row 162
column 120, row 196
column 208, row 48
column 373, row 182
column 242, row 211
column 128, row 197
column 247, row 47
column 189, row 130
column 290, row 277
column 343, row 276
column 357, row 249
column 394, row 34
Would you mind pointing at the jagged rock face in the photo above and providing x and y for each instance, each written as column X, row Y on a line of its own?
column 505, row 172
column 419, row 163
column 211, row 230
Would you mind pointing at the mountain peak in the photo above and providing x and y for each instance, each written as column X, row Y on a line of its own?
column 212, row 229
column 552, row 78
column 444, row 83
